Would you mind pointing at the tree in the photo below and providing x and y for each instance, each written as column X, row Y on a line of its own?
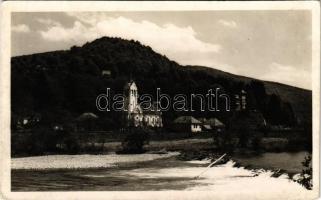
column 224, row 141
column 240, row 127
column 258, row 89
column 256, row 142
column 288, row 117
column 274, row 112
column 243, row 133
column 135, row 140
column 69, row 140
column 41, row 141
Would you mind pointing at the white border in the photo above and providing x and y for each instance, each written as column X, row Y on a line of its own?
column 63, row 6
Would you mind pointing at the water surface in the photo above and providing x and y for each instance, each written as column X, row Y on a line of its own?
column 291, row 162
column 167, row 174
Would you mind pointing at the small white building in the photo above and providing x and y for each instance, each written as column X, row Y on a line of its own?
column 106, row 73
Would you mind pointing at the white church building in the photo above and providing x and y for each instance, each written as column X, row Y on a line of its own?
column 135, row 115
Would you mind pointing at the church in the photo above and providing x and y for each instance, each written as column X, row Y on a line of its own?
column 135, row 116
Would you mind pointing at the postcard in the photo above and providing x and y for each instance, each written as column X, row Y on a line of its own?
column 160, row 100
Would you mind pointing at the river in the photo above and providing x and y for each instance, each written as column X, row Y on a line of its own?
column 291, row 162
column 167, row 173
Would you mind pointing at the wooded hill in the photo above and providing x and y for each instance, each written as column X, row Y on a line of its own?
column 61, row 85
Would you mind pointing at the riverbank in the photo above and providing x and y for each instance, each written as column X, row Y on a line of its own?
column 103, row 143
column 83, row 161
column 289, row 162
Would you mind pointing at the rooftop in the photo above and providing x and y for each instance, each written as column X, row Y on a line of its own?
column 186, row 120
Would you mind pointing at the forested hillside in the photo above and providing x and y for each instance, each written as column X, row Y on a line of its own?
column 61, row 85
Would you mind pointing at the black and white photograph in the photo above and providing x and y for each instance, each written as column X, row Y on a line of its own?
column 206, row 102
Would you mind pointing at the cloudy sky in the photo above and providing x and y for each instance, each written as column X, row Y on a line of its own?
column 268, row 45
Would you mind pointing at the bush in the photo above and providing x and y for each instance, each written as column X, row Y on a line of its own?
column 244, row 137
column 42, row 140
column 306, row 174
column 225, row 141
column 69, row 141
column 38, row 141
column 135, row 140
column 256, row 142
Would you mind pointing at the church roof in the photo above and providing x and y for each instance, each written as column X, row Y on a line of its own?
column 128, row 84
column 138, row 109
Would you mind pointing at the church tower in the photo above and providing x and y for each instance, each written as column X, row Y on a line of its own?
column 132, row 96
column 134, row 115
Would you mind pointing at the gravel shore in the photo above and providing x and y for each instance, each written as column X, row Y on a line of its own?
column 82, row 161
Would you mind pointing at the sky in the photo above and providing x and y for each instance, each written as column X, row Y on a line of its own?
column 267, row 45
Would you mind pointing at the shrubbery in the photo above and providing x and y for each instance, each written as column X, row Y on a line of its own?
column 69, row 142
column 43, row 140
column 135, row 140
column 225, row 141
column 40, row 141
column 305, row 177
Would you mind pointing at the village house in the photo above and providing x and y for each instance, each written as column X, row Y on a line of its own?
column 212, row 124
column 188, row 124
column 134, row 114
column 86, row 122
column 22, row 122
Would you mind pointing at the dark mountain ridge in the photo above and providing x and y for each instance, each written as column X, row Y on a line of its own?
column 68, row 82
column 301, row 99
